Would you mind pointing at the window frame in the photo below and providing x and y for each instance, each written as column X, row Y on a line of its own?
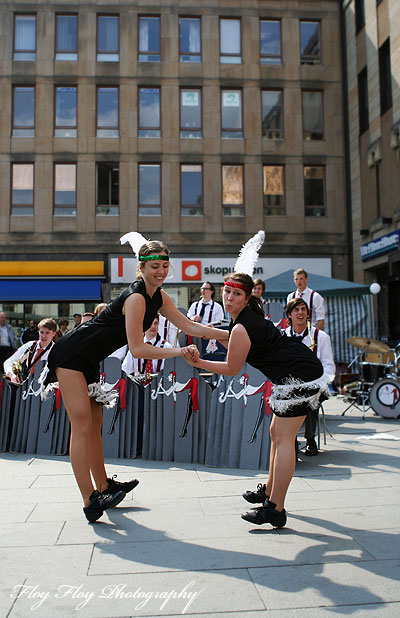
column 58, row 206
column 32, row 206
column 66, row 51
column 279, row 57
column 145, row 206
column 65, row 128
column 314, row 207
column 117, row 129
column 182, row 129
column 200, row 53
column 282, row 130
column 151, row 128
column 311, row 59
column 265, row 206
column 200, row 207
column 240, row 207
column 22, row 51
column 33, row 127
column 106, row 53
column 147, row 53
column 110, row 165
column 233, row 133
column 310, row 137
column 225, row 55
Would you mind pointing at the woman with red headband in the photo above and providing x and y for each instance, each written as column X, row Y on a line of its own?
column 297, row 377
column 74, row 366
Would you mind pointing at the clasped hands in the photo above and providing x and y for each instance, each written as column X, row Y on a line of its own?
column 191, row 354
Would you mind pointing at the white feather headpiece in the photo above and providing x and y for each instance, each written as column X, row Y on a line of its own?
column 248, row 255
column 135, row 239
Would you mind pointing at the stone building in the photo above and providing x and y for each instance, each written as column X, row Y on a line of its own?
column 195, row 122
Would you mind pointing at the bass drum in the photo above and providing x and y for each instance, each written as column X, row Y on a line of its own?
column 384, row 398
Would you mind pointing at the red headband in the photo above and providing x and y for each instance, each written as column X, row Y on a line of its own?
column 235, row 284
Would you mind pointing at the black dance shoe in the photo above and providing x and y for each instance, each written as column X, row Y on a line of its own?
column 99, row 502
column 311, row 449
column 266, row 515
column 115, row 486
column 255, row 497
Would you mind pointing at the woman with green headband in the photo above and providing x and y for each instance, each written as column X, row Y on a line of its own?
column 73, row 366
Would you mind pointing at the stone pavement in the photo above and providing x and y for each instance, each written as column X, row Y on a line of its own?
column 177, row 543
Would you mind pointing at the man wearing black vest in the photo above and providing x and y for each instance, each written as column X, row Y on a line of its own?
column 206, row 310
column 320, row 343
column 314, row 301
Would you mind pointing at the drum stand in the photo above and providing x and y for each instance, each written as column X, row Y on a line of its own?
column 361, row 391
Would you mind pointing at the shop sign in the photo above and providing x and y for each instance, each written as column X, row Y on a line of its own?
column 380, row 246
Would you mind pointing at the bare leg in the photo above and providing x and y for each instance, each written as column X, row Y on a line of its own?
column 285, row 458
column 75, row 396
column 96, row 456
column 270, row 480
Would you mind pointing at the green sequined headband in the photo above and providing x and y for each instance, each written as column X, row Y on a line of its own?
column 147, row 258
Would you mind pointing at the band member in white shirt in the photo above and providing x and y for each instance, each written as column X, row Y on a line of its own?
column 320, row 343
column 168, row 331
column 32, row 351
column 206, row 310
column 141, row 365
column 315, row 302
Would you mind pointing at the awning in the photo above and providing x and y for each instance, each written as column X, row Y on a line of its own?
column 49, row 290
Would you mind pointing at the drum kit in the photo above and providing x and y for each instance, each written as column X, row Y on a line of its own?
column 379, row 382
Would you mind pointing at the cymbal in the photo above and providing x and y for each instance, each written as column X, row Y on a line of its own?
column 368, row 345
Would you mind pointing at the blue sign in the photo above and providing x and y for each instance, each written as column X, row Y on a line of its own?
column 380, row 246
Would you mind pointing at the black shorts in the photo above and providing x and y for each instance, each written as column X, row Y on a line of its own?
column 91, row 371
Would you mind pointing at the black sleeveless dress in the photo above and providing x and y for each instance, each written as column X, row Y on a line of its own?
column 83, row 348
column 291, row 366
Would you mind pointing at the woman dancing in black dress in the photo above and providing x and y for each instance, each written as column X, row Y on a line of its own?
column 74, row 365
column 298, row 380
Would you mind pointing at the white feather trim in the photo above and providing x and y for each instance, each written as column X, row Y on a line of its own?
column 135, row 239
column 95, row 390
column 289, row 394
column 248, row 254
column 45, row 392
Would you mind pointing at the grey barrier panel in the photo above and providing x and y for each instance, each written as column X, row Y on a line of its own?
column 238, row 429
column 276, row 311
column 173, row 430
column 111, row 416
column 5, row 413
column 129, row 420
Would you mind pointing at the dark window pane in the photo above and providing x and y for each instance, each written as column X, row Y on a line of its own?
column 189, row 39
column 191, row 185
column 363, row 100
column 270, row 43
column 309, row 41
column 272, row 114
column 67, row 33
column 107, row 34
column 385, row 77
column 107, row 189
column 314, row 194
column 360, row 14
column 24, row 107
column 312, row 115
column 65, row 106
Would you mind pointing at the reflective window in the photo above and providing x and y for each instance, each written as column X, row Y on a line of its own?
column 272, row 114
column 274, row 190
column 191, row 190
column 270, row 41
column 149, row 189
column 149, row 112
column 24, row 111
column 107, row 195
column 65, row 189
column 149, row 39
column 107, row 112
column 310, row 48
column 22, row 189
column 189, row 39
column 108, row 38
column 190, row 110
column 230, row 41
column 314, row 192
column 231, row 114
column 25, row 37
column 313, row 124
column 66, row 37
column 65, row 112
column 232, row 190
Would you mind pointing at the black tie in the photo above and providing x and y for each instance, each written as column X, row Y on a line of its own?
column 203, row 308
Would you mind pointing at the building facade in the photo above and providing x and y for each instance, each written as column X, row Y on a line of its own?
column 373, row 83
column 198, row 123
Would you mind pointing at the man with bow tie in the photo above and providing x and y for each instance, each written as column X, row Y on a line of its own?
column 314, row 301
column 206, row 310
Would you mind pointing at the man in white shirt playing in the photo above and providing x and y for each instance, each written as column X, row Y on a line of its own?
column 320, row 343
column 32, row 351
column 206, row 310
column 315, row 302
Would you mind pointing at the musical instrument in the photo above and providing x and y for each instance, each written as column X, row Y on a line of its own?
column 372, row 372
column 384, row 398
column 368, row 345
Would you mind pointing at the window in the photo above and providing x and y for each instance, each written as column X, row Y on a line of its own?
column 65, row 189
column 107, row 38
column 191, row 190
column 149, row 189
column 231, row 114
column 189, row 39
column 149, row 39
column 310, row 48
column 65, row 112
column 272, row 114
column 149, row 112
column 24, row 111
column 314, row 192
column 360, row 14
column 232, row 190
column 270, row 42
column 230, row 41
column 313, row 124
column 66, row 37
column 25, row 37
column 274, row 190
column 107, row 199
column 363, row 100
column 107, row 112
column 22, row 189
column 190, row 110
column 385, row 76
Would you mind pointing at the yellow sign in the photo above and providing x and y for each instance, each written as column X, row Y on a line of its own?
column 51, row 269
